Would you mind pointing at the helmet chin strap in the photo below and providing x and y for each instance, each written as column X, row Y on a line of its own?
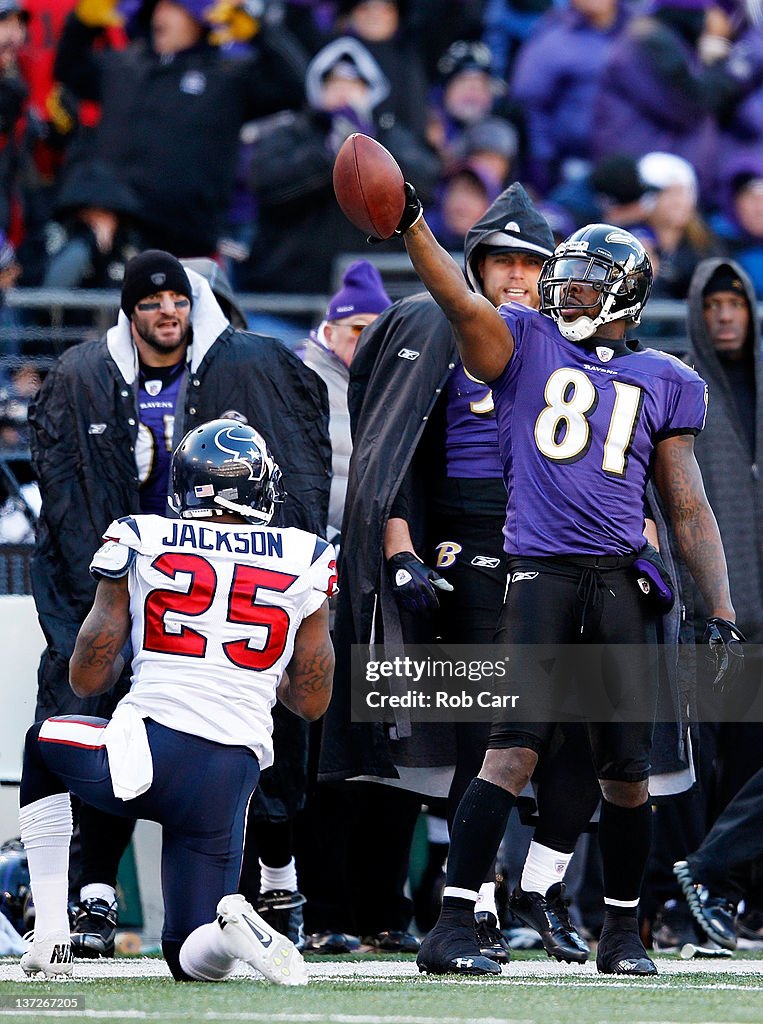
column 259, row 518
column 584, row 327
column 579, row 329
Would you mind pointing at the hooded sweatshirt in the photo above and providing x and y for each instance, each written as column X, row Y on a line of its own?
column 729, row 467
column 403, row 362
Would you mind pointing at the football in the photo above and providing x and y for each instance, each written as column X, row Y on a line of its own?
column 369, row 185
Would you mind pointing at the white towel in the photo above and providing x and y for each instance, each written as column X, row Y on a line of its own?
column 130, row 763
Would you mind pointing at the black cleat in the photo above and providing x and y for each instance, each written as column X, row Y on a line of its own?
column 549, row 915
column 94, row 929
column 674, row 926
column 332, row 943
column 621, row 950
column 492, row 944
column 453, row 949
column 750, row 925
column 392, row 942
column 282, row 909
column 714, row 915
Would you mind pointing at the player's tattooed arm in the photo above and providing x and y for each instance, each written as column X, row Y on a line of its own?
column 305, row 687
column 484, row 340
column 97, row 663
column 679, row 481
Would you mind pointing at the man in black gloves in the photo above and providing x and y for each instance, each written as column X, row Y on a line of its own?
column 426, row 507
column 724, row 346
column 583, row 416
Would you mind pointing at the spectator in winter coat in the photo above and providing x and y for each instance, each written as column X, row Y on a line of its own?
column 172, row 108
column 301, row 228
column 463, row 198
column 380, row 27
column 491, row 145
column 682, row 238
column 556, row 89
column 656, row 94
column 464, row 97
column 329, row 351
column 739, row 224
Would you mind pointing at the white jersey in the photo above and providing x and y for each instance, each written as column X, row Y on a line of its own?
column 215, row 609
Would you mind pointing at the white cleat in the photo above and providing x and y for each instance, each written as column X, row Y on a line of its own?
column 253, row 940
column 52, row 956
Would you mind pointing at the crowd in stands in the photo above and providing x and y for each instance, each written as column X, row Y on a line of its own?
column 209, row 128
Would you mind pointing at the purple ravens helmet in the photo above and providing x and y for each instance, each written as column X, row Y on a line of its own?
column 608, row 259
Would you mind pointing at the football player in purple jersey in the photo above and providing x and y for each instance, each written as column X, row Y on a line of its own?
column 583, row 418
column 448, row 512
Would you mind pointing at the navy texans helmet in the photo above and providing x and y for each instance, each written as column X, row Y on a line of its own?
column 225, row 466
column 608, row 259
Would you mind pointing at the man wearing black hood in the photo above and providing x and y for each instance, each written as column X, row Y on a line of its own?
column 438, row 490
column 724, row 346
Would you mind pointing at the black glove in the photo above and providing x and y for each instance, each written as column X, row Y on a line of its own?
column 413, row 583
column 725, row 641
column 411, row 213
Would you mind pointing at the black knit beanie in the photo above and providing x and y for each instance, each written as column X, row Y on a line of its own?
column 725, row 279
column 153, row 271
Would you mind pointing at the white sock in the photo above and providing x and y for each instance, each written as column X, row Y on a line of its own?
column 98, row 891
column 278, row 878
column 202, row 955
column 486, row 899
column 543, row 868
column 459, row 893
column 46, row 831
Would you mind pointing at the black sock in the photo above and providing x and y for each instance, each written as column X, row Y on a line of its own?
column 103, row 840
column 620, row 922
column 625, row 835
column 274, row 841
column 568, row 791
column 477, row 832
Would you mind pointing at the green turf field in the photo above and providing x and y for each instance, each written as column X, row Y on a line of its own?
column 389, row 991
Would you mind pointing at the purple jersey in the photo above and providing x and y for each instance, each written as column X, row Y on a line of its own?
column 577, row 430
column 471, row 437
column 157, row 398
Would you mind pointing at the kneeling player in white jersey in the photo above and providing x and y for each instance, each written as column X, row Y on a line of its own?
column 224, row 614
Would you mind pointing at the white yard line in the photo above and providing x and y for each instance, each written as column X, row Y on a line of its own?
column 292, row 1018
column 531, row 972
column 287, row 1018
